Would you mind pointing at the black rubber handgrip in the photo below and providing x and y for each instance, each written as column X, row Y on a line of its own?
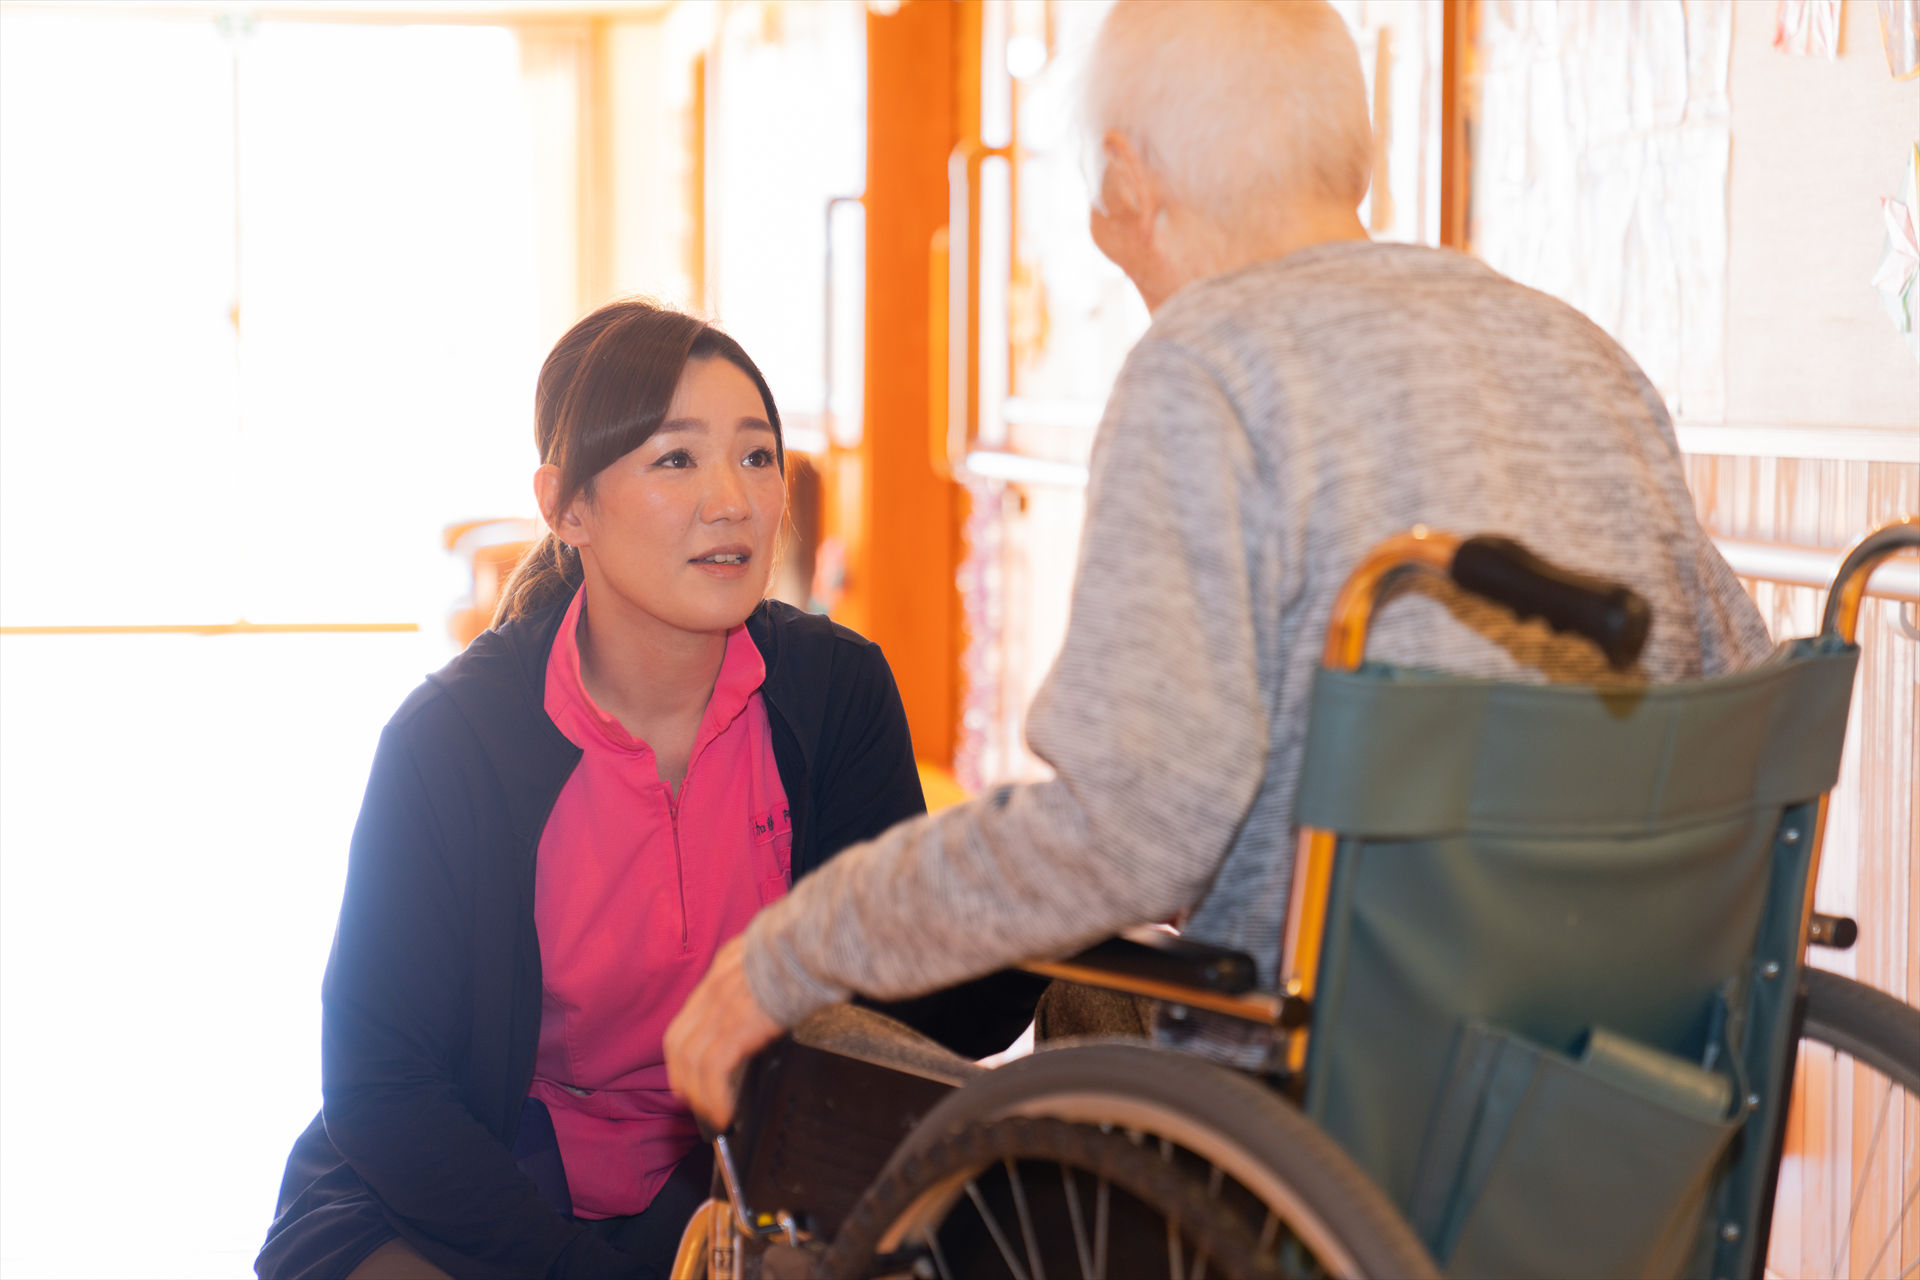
column 1838, row 932
column 1614, row 617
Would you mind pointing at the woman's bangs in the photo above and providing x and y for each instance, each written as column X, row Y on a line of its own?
column 627, row 387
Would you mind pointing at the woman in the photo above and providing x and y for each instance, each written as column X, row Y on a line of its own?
column 566, row 822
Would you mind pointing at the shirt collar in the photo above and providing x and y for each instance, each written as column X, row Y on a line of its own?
column 575, row 713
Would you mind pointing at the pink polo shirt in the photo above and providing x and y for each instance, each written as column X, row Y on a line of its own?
column 634, row 892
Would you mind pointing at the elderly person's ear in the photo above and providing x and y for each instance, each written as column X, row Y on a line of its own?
column 1123, row 222
column 1126, row 189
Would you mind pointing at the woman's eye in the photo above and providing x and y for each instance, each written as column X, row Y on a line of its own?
column 760, row 458
column 679, row 458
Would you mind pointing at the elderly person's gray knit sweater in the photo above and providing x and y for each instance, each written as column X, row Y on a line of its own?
column 1270, row 426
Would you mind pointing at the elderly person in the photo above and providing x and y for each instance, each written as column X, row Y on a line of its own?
column 1300, row 394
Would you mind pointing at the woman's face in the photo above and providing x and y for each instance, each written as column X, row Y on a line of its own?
column 683, row 527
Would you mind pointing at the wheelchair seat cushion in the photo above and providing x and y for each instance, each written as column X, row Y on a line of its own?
column 871, row 1037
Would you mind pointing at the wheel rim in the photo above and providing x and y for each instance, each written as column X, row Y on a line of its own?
column 1220, row 1156
column 709, row 1230
column 1042, row 1199
column 1278, row 1196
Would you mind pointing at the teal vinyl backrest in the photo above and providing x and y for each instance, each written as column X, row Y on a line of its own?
column 1539, row 1012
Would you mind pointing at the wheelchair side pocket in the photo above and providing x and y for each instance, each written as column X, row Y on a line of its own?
column 1536, row 1164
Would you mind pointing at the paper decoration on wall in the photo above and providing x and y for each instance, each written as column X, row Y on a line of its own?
column 1896, row 279
column 1808, row 27
column 1602, row 134
column 1900, row 36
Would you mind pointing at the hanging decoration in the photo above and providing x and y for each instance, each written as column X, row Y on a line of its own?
column 1897, row 280
column 1602, row 136
column 1900, row 36
column 1810, row 27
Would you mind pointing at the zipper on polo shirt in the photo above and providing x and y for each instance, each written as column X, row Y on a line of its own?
column 679, row 867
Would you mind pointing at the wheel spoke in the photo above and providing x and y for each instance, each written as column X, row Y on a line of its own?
column 1216, row 1177
column 1080, row 1247
column 1101, row 1198
column 939, row 1259
column 1269, row 1234
column 1176, row 1266
column 1893, row 1235
column 1866, row 1167
column 1026, row 1221
column 993, row 1229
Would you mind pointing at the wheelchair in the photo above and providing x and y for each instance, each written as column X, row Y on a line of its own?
column 1541, row 990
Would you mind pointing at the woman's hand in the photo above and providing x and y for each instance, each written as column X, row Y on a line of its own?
column 713, row 1036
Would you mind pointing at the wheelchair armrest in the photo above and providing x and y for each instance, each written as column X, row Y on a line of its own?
column 1167, row 958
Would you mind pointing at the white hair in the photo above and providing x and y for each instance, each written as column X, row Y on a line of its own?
column 1237, row 105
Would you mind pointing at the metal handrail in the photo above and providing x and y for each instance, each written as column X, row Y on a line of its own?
column 1782, row 563
column 834, row 205
column 1796, row 566
column 963, row 232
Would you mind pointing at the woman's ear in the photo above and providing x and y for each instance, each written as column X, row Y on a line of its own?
column 565, row 524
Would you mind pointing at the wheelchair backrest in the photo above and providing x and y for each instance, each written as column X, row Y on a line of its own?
column 1561, row 953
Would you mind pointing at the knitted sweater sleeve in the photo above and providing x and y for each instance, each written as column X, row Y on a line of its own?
column 1151, row 718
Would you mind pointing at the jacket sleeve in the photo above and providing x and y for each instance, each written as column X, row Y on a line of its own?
column 1152, row 717
column 392, row 1023
column 869, row 783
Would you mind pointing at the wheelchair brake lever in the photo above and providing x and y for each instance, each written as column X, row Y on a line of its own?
column 748, row 1223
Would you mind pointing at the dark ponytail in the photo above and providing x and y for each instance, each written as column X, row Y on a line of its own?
column 548, row 574
column 603, row 390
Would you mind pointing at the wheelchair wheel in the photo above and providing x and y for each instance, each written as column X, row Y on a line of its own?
column 1854, row 1122
column 1127, row 1161
column 707, row 1234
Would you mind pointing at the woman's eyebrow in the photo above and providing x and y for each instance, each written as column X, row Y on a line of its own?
column 700, row 424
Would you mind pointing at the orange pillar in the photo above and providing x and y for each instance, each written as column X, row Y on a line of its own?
column 903, row 557
column 1457, row 32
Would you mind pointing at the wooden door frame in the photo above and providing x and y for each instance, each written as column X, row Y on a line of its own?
column 900, row 517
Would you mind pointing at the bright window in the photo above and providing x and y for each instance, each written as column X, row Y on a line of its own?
column 269, row 320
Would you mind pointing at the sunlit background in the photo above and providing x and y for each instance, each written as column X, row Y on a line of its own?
column 275, row 283
column 275, row 294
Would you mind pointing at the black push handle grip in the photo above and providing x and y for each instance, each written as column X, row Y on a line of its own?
column 1614, row 617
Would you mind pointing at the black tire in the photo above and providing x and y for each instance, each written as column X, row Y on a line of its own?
column 1220, row 1122
column 1869, row 1025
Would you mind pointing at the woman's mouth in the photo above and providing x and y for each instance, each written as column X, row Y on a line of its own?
column 723, row 562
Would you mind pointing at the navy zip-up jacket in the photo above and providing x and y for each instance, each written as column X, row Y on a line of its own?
column 431, row 1003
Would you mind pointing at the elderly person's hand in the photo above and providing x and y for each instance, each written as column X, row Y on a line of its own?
column 713, row 1036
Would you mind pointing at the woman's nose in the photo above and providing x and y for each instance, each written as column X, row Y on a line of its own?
column 726, row 498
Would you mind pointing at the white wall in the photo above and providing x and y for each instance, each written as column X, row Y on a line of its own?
column 1815, row 146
